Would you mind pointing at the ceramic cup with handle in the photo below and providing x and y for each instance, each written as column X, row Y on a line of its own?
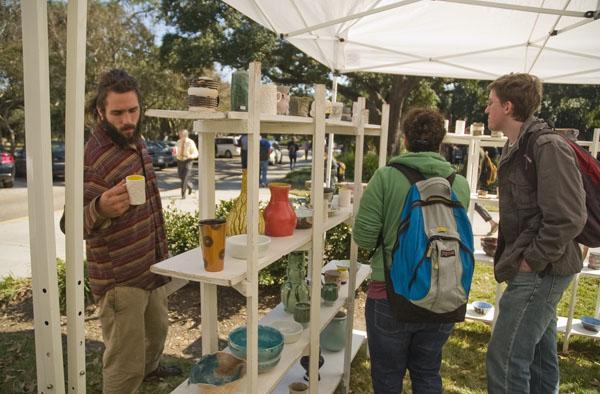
column 136, row 188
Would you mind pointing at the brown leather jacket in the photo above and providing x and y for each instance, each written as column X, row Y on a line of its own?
column 539, row 223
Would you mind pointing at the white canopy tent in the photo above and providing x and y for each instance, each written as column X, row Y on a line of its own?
column 557, row 40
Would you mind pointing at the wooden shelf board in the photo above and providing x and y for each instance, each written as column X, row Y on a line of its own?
column 481, row 257
column 292, row 351
column 183, row 114
column 331, row 372
column 491, row 199
column 472, row 315
column 588, row 271
column 189, row 265
column 576, row 328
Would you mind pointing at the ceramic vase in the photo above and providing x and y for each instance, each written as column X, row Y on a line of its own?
column 239, row 90
column 236, row 220
column 333, row 337
column 302, row 313
column 280, row 218
column 295, row 289
column 300, row 106
column 283, row 100
column 304, row 362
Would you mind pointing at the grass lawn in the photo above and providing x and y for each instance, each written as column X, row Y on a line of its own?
column 463, row 368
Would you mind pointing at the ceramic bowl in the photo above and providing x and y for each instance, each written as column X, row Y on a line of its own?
column 489, row 245
column 218, row 372
column 594, row 260
column 236, row 245
column 482, row 307
column 590, row 323
column 290, row 329
column 270, row 345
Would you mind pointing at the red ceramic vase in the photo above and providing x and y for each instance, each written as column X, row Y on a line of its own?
column 280, row 218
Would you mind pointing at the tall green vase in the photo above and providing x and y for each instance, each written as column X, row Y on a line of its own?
column 295, row 289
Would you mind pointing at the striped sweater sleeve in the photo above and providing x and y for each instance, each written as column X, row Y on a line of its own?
column 93, row 187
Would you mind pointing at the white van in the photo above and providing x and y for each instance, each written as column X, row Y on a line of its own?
column 226, row 147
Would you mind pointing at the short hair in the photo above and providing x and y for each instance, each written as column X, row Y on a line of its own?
column 424, row 130
column 117, row 81
column 523, row 90
column 184, row 132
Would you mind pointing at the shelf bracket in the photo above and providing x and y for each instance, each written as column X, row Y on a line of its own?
column 243, row 287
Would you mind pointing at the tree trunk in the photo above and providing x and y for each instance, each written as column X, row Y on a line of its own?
column 402, row 85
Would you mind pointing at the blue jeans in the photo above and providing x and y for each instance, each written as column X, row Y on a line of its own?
column 264, row 166
column 395, row 347
column 522, row 355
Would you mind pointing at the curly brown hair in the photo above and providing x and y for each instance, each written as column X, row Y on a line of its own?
column 523, row 90
column 423, row 130
column 117, row 81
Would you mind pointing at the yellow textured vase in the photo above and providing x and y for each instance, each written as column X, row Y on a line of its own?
column 236, row 220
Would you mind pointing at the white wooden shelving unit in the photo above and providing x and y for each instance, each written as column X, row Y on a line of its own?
column 567, row 325
column 243, row 274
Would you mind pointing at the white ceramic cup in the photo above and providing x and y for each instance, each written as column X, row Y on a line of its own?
column 460, row 127
column 136, row 187
column 345, row 197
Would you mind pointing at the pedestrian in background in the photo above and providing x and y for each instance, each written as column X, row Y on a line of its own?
column 186, row 154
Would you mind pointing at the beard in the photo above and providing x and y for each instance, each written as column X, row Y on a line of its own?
column 117, row 137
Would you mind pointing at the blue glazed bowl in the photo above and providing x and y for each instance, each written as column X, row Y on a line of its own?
column 270, row 345
column 590, row 323
column 220, row 371
column 482, row 307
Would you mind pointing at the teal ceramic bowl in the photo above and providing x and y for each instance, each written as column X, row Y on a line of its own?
column 270, row 345
column 220, row 371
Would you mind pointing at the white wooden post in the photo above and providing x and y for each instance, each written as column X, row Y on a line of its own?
column 48, row 347
column 358, row 164
column 595, row 143
column 206, row 206
column 252, row 226
column 316, row 198
column 75, row 103
column 572, row 302
column 383, row 138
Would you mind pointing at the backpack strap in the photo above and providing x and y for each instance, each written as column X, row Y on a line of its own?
column 413, row 175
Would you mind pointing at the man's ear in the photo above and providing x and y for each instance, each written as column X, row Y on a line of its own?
column 508, row 107
column 99, row 111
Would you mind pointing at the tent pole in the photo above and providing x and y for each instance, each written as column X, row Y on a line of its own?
column 48, row 346
column 75, row 100
column 506, row 6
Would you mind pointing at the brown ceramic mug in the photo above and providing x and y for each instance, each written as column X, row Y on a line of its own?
column 213, row 243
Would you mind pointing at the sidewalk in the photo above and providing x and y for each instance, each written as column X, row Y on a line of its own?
column 15, row 258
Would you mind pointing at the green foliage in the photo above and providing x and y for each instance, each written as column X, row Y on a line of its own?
column 9, row 288
column 370, row 165
column 297, row 178
column 61, row 272
column 182, row 230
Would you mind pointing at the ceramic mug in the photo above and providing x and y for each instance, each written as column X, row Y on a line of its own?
column 329, row 293
column 302, row 313
column 213, row 243
column 298, row 388
column 332, row 276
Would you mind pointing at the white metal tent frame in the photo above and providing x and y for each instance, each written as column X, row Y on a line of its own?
column 49, row 357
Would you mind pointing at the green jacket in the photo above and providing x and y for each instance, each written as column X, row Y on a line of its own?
column 382, row 202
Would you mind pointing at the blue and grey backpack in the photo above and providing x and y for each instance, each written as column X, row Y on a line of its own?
column 432, row 261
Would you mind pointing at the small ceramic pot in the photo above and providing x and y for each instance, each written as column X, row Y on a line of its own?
column 332, row 276
column 329, row 293
column 298, row 388
column 594, row 260
column 305, row 360
column 302, row 313
column 333, row 337
column 213, row 243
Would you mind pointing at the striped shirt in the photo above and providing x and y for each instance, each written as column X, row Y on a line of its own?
column 121, row 250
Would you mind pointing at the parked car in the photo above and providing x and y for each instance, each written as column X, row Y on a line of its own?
column 226, row 147
column 7, row 168
column 276, row 156
column 58, row 160
column 162, row 155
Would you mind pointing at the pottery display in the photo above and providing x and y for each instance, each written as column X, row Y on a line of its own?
column 283, row 100
column 203, row 94
column 305, row 218
column 302, row 313
column 337, row 110
column 239, row 90
column 290, row 330
column 280, row 218
column 594, row 260
column 270, row 345
column 218, row 373
column 299, row 106
column 482, row 307
column 590, row 323
column 236, row 246
column 345, row 199
column 213, row 243
column 304, row 362
column 295, row 289
column 329, row 293
column 268, row 99
column 298, row 388
column 477, row 128
column 332, row 276
column 236, row 220
column 333, row 337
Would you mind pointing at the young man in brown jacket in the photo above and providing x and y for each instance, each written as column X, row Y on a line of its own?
column 537, row 255
column 123, row 240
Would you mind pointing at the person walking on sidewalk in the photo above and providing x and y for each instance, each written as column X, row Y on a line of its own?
column 123, row 241
column 264, row 153
column 537, row 256
column 186, row 154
